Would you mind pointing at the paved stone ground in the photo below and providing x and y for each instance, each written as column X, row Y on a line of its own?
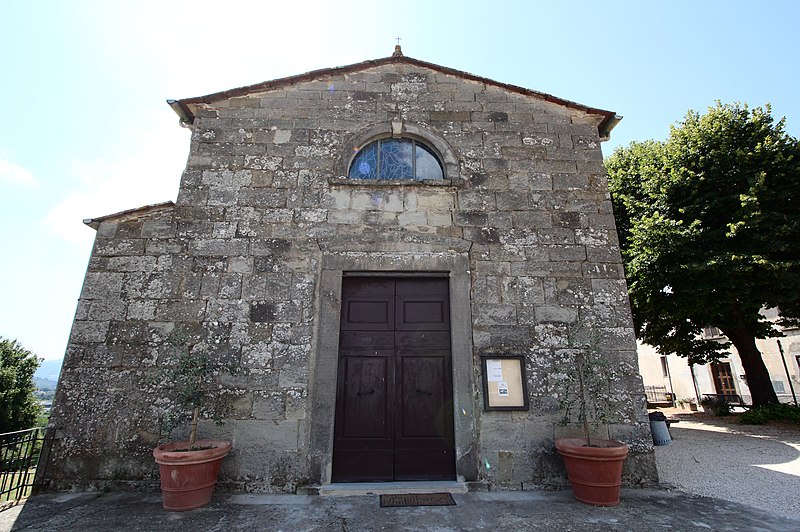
column 753, row 473
column 506, row 511
column 719, row 457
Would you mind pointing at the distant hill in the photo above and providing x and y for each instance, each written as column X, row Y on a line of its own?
column 44, row 384
column 49, row 370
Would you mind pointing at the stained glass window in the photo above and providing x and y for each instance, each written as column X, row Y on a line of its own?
column 395, row 160
column 365, row 165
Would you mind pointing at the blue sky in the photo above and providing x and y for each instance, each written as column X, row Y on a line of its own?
column 85, row 130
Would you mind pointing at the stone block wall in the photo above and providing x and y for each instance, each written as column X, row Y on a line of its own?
column 265, row 206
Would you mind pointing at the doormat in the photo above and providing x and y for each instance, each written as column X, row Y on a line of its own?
column 417, row 499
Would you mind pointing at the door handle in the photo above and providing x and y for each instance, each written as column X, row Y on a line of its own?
column 365, row 393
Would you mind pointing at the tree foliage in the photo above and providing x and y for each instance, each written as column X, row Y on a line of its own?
column 709, row 229
column 193, row 384
column 19, row 407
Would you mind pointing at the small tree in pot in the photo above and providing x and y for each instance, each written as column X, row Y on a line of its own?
column 189, row 468
column 594, row 465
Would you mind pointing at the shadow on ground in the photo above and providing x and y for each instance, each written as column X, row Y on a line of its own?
column 757, row 465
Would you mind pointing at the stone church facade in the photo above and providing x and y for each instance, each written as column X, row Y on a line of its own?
column 355, row 240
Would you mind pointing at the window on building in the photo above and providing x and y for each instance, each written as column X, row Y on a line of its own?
column 711, row 332
column 778, row 387
column 664, row 366
column 396, row 160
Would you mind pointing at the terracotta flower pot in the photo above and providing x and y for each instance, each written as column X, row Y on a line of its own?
column 188, row 477
column 594, row 472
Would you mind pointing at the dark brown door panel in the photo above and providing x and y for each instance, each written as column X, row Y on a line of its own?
column 394, row 404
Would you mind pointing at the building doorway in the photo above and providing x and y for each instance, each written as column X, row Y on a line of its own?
column 394, row 395
column 723, row 378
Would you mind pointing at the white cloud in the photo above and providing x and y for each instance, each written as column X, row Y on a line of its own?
column 16, row 175
column 149, row 174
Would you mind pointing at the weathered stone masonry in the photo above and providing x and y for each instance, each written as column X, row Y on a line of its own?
column 250, row 259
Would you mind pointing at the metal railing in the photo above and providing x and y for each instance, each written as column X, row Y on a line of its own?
column 657, row 394
column 23, row 461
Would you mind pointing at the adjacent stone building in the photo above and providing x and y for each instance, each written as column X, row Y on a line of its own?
column 355, row 240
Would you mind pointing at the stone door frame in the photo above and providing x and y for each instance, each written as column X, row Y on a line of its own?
column 324, row 363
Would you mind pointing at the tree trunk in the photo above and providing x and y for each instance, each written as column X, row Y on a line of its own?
column 193, row 435
column 758, row 379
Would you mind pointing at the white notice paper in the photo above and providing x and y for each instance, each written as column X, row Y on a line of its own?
column 502, row 389
column 494, row 370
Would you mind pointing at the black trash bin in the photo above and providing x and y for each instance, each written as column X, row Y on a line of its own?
column 659, row 428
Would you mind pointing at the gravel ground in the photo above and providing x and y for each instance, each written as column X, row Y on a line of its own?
column 718, row 457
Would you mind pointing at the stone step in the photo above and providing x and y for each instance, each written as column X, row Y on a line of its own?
column 383, row 488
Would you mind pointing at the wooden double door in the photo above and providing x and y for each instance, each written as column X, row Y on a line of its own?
column 394, row 399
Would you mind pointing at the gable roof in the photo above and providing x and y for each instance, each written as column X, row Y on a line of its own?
column 609, row 119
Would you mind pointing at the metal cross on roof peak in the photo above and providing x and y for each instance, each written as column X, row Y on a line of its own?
column 398, row 52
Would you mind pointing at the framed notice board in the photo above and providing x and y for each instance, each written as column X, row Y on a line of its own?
column 504, row 383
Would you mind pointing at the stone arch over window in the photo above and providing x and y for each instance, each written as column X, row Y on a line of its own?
column 407, row 141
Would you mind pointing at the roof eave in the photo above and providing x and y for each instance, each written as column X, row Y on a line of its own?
column 184, row 113
column 94, row 223
column 608, row 123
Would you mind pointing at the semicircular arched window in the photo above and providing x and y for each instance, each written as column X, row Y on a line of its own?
column 396, row 160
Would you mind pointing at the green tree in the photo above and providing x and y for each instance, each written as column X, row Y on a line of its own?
column 18, row 405
column 709, row 227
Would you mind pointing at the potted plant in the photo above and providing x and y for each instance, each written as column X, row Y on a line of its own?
column 594, row 465
column 716, row 406
column 189, row 467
